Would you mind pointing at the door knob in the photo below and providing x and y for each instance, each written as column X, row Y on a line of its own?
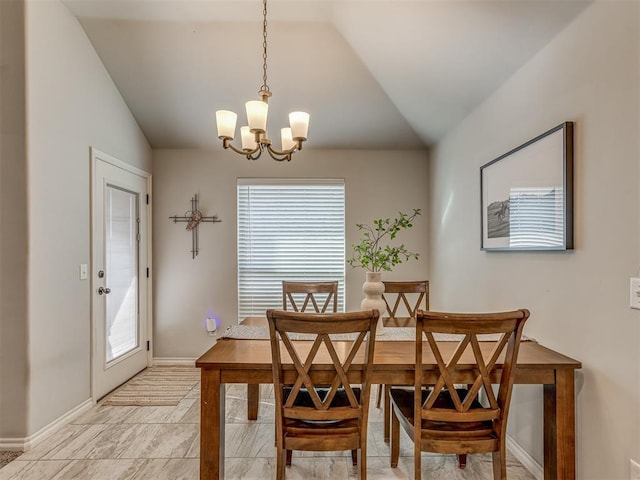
column 104, row 291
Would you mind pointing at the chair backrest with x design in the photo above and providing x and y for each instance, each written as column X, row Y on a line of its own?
column 404, row 299
column 319, row 327
column 472, row 352
column 320, row 353
column 302, row 296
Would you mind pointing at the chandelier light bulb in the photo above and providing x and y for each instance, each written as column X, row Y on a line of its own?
column 287, row 139
column 226, row 121
column 299, row 122
column 257, row 115
column 248, row 139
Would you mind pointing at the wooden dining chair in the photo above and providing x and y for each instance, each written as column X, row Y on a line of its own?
column 300, row 296
column 402, row 301
column 314, row 297
column 444, row 419
column 330, row 415
column 318, row 297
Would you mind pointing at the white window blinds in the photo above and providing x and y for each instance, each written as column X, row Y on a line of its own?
column 288, row 230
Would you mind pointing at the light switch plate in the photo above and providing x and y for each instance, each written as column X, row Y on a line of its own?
column 634, row 293
column 83, row 271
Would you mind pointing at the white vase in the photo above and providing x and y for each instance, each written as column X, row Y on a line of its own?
column 373, row 289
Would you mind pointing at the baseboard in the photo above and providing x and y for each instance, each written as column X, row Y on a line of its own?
column 12, row 444
column 164, row 361
column 527, row 461
column 27, row 443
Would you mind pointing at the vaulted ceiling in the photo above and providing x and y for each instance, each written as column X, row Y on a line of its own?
column 372, row 73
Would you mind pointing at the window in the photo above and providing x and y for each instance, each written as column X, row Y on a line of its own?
column 287, row 230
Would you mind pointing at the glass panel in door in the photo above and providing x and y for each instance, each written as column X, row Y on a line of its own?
column 121, row 245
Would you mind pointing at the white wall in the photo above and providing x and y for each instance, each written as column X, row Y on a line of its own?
column 377, row 184
column 578, row 300
column 72, row 104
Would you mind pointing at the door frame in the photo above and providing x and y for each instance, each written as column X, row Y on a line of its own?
column 95, row 156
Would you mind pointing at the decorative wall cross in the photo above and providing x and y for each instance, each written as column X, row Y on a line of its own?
column 193, row 218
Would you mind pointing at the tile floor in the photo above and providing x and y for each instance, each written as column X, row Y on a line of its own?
column 162, row 443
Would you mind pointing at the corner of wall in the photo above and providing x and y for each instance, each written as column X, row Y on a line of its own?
column 13, row 223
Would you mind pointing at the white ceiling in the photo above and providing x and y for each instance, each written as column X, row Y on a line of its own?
column 372, row 73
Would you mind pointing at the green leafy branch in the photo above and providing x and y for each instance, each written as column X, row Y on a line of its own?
column 370, row 254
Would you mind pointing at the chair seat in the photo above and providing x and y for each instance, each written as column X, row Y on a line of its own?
column 345, row 434
column 402, row 398
column 300, row 428
column 304, row 400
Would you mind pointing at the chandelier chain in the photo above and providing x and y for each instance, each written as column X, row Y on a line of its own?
column 264, row 87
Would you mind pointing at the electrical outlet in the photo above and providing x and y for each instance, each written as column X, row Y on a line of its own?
column 634, row 293
column 634, row 471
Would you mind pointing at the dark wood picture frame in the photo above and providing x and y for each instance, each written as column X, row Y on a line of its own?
column 526, row 195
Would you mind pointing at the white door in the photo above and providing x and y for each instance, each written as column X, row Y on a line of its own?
column 120, row 287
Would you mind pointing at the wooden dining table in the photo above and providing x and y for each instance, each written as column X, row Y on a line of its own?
column 248, row 361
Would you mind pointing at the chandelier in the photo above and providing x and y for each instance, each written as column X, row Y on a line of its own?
column 254, row 136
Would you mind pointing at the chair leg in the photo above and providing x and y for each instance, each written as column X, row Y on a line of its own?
column 462, row 460
column 289, row 454
column 417, row 460
column 362, row 461
column 280, row 461
column 499, row 465
column 386, row 411
column 379, row 397
column 395, row 440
